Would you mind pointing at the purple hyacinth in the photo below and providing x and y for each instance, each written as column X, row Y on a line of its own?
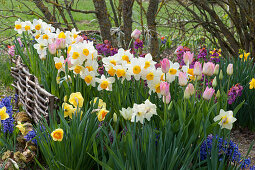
column 234, row 92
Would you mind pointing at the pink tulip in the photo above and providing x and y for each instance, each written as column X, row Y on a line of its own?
column 188, row 57
column 164, row 88
column 167, row 99
column 53, row 48
column 189, row 91
column 197, row 69
column 216, row 69
column 136, row 34
column 61, row 43
column 230, row 69
column 208, row 93
column 183, row 79
column 165, row 65
column 208, row 68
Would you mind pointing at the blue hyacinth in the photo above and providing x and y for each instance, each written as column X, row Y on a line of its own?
column 30, row 136
column 7, row 124
column 228, row 149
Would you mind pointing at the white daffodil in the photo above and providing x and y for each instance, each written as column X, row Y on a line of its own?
column 59, row 63
column 27, row 26
column 121, row 72
column 154, row 86
column 173, row 72
column 74, row 33
column 126, row 113
column 226, row 119
column 41, row 47
column 18, row 26
column 151, row 74
column 105, row 83
column 123, row 56
column 136, row 67
column 77, row 69
column 47, row 37
column 148, row 62
column 89, row 77
column 188, row 71
column 143, row 111
column 91, row 65
column 76, row 55
column 38, row 25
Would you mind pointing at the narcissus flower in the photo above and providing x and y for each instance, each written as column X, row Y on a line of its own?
column 105, row 83
column 244, row 55
column 21, row 128
column 68, row 110
column 57, row 134
column 126, row 113
column 101, row 103
column 101, row 114
column 252, row 83
column 76, row 99
column 18, row 26
column 226, row 119
column 3, row 114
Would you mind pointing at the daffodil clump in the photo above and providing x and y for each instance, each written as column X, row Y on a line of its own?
column 76, row 103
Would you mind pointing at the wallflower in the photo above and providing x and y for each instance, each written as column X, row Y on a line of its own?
column 226, row 119
column 76, row 99
column 3, row 114
column 143, row 111
column 57, row 134
column 252, row 84
column 105, row 83
column 68, row 110
column 126, row 113
column 101, row 114
column 234, row 92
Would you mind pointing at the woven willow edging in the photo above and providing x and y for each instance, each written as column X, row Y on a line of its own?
column 36, row 100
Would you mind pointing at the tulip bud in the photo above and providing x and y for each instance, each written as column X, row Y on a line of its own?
column 216, row 69
column 183, row 79
column 188, row 57
column 190, row 90
column 165, row 65
column 115, row 117
column 52, row 48
column 214, row 83
column 218, row 94
column 208, row 93
column 167, row 99
column 136, row 34
column 208, row 68
column 65, row 98
column 221, row 75
column 197, row 69
column 230, row 69
column 164, row 88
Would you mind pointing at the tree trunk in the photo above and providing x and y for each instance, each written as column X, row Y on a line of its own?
column 151, row 21
column 127, row 20
column 52, row 19
column 103, row 19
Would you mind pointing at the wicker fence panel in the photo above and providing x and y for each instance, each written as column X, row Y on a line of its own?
column 36, row 100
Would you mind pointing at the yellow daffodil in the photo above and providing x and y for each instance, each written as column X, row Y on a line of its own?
column 252, row 83
column 76, row 99
column 101, row 114
column 21, row 128
column 57, row 134
column 68, row 110
column 101, row 103
column 244, row 55
column 3, row 114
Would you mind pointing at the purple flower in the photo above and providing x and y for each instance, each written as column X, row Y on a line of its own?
column 7, row 124
column 202, row 54
column 138, row 44
column 30, row 136
column 234, row 92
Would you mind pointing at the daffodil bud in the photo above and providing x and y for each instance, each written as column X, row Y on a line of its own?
column 214, row 83
column 221, row 75
column 115, row 117
column 218, row 94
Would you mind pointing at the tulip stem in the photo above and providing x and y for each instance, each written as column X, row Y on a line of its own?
column 204, row 82
column 227, row 92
